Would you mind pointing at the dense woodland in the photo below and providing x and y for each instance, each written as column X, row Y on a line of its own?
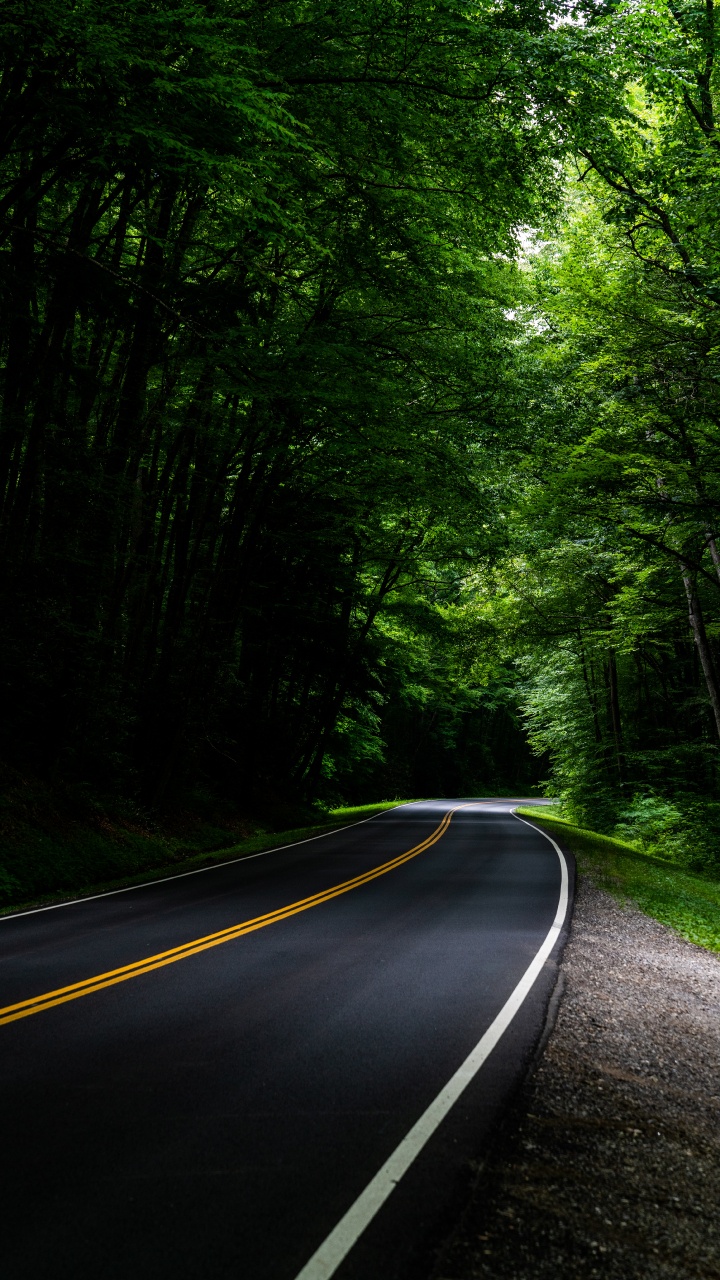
column 360, row 404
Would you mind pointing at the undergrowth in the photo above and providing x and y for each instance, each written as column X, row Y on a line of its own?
column 686, row 901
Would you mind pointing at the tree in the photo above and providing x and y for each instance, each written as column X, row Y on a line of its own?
column 617, row 530
column 254, row 282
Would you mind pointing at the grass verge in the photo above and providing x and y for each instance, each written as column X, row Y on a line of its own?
column 197, row 860
column 688, row 903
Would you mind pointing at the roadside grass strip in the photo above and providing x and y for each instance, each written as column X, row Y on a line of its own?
column 37, row 1004
column 689, row 903
column 201, row 859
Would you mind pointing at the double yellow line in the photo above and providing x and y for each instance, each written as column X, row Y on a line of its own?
column 24, row 1008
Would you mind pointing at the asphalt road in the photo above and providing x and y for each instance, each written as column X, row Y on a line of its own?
column 217, row 1114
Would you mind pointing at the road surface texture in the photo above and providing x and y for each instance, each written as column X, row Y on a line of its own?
column 178, row 1104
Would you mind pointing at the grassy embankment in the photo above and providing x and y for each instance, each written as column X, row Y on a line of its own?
column 56, row 858
column 686, row 901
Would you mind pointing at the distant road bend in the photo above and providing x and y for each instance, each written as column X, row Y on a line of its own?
column 277, row 1068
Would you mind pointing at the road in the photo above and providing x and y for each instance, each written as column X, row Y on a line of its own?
column 216, row 1109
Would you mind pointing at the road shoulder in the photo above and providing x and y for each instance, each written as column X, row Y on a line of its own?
column 608, row 1164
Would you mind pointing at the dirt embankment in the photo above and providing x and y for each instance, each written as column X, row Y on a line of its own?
column 609, row 1165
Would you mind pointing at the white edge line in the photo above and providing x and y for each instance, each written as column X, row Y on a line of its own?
column 334, row 1249
column 147, row 884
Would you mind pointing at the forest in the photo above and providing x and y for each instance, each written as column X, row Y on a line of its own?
column 360, row 406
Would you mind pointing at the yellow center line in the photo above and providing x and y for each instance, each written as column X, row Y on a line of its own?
column 24, row 1008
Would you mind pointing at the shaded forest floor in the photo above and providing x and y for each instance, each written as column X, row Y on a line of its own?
column 609, row 1164
column 60, row 843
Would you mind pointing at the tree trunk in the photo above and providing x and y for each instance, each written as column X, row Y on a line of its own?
column 701, row 641
column 590, row 694
column 715, row 554
column 614, row 705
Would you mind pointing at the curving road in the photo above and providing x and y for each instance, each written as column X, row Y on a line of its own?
column 256, row 1071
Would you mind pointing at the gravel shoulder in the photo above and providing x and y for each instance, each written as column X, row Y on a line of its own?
column 609, row 1163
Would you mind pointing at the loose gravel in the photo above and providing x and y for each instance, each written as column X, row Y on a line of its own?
column 609, row 1164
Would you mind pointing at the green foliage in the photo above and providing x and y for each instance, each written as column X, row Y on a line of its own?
column 440, row 719
column 319, row 476
column 359, row 812
column 656, row 825
column 686, row 832
column 256, row 271
column 688, row 903
column 610, row 591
